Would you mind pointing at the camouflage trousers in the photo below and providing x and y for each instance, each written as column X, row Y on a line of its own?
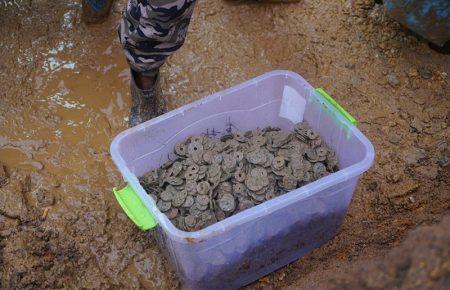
column 152, row 30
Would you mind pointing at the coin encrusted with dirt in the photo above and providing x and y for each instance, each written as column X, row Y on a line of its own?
column 214, row 178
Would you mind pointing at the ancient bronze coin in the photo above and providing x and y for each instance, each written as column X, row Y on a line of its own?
column 190, row 176
column 189, row 201
column 245, row 204
column 208, row 156
column 197, row 139
column 207, row 218
column 311, row 155
column 238, row 155
column 191, row 187
column 257, row 198
column 280, row 138
column 225, row 187
column 214, row 170
column 194, row 168
column 173, row 180
column 239, row 136
column 319, row 170
column 202, row 199
column 258, row 172
column 195, row 210
column 270, row 194
column 164, row 205
column 278, row 162
column 166, row 195
column 179, row 198
column 172, row 213
column 203, row 187
column 256, row 183
column 217, row 158
column 289, row 182
column 195, row 148
column 310, row 134
column 181, row 149
column 227, row 203
column 225, row 176
column 239, row 176
column 269, row 159
column 198, row 158
column 176, row 168
column 257, row 157
column 240, row 189
column 154, row 197
column 258, row 141
column 203, row 169
column 190, row 221
column 229, row 162
column 150, row 178
column 307, row 177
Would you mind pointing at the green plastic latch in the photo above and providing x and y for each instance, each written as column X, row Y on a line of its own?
column 337, row 106
column 134, row 208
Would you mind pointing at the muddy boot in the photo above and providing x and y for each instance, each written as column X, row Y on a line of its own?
column 146, row 104
column 95, row 11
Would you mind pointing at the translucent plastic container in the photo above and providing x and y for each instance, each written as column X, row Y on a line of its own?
column 257, row 241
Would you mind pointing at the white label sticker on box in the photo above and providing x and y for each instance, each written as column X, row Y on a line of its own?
column 292, row 105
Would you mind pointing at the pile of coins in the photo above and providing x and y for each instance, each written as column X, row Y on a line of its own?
column 212, row 179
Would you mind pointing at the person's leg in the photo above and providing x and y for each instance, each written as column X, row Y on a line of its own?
column 150, row 31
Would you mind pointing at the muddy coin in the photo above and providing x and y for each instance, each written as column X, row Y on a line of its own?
column 227, row 203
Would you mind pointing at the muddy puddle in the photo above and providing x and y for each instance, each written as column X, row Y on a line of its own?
column 74, row 105
column 64, row 95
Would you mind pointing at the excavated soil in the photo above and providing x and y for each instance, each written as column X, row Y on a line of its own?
column 64, row 96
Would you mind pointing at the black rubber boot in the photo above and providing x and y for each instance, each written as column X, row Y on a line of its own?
column 95, row 11
column 146, row 104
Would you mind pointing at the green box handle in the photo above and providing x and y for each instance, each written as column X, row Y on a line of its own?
column 338, row 107
column 134, row 208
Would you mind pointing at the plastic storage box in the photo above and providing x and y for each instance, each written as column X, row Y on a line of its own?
column 257, row 241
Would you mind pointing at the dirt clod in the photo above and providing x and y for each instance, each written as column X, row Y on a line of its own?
column 3, row 175
column 392, row 80
column 12, row 202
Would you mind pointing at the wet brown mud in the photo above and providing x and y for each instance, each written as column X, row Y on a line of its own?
column 64, row 95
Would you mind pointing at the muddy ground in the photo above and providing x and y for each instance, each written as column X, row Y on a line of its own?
column 64, row 96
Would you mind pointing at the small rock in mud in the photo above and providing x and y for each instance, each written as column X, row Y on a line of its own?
column 393, row 177
column 430, row 172
column 416, row 156
column 425, row 73
column 12, row 202
column 394, row 138
column 392, row 80
column 44, row 197
column 372, row 186
column 412, row 73
column 3, row 175
column 443, row 159
column 416, row 125
column 402, row 189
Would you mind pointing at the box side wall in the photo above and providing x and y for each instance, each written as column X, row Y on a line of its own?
column 245, row 253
